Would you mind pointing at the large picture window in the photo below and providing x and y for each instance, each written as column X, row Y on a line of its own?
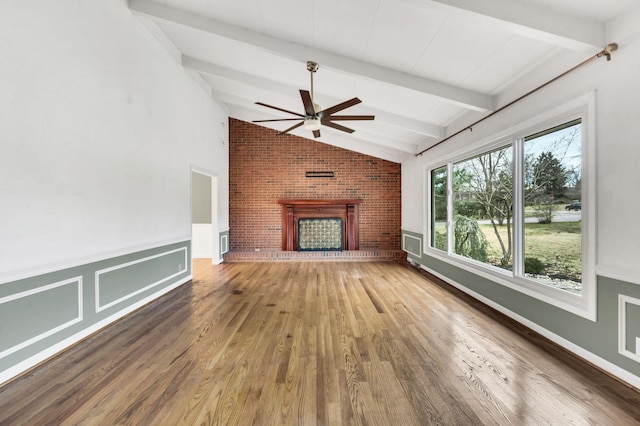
column 516, row 209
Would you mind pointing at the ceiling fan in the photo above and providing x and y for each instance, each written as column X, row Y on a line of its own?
column 313, row 117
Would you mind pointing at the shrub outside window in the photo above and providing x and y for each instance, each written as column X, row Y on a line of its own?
column 439, row 208
column 516, row 208
column 482, row 207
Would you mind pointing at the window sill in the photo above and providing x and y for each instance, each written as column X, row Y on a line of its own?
column 582, row 304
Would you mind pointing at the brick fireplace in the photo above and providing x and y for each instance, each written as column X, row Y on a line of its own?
column 294, row 210
column 265, row 168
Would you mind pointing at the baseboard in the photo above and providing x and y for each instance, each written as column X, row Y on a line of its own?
column 608, row 368
column 23, row 367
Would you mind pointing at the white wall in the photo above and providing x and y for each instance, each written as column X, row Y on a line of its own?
column 617, row 86
column 99, row 129
column 202, row 241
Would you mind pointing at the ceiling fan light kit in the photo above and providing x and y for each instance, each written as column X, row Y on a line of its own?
column 311, row 123
column 314, row 118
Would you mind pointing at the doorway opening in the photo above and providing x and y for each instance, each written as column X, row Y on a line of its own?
column 205, row 240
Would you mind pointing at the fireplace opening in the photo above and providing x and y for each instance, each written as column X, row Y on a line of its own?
column 344, row 210
column 320, row 234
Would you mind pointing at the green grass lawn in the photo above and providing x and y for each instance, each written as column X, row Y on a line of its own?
column 558, row 245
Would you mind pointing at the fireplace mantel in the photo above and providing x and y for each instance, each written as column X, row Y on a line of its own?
column 294, row 209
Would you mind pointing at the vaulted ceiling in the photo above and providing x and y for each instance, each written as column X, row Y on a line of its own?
column 417, row 65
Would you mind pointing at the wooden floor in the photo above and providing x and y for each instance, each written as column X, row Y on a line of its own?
column 308, row 343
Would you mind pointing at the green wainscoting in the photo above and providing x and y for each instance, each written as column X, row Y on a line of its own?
column 224, row 242
column 601, row 342
column 43, row 314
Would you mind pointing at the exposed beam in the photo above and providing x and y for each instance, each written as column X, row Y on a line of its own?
column 416, row 126
column 234, row 75
column 377, row 139
column 445, row 92
column 536, row 22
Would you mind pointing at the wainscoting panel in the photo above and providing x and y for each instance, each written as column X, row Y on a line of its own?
column 118, row 283
column 412, row 244
column 609, row 343
column 224, row 242
column 44, row 314
column 32, row 315
column 629, row 327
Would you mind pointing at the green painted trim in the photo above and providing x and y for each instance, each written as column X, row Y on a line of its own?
column 44, row 311
column 224, row 242
column 599, row 338
column 412, row 243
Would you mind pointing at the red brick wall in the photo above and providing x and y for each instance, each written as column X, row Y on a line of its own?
column 264, row 168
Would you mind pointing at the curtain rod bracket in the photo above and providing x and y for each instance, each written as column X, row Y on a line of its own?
column 611, row 47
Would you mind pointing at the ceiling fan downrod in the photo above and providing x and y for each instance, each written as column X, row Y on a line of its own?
column 314, row 116
column 312, row 67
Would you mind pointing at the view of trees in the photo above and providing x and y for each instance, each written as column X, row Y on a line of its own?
column 487, row 180
column 483, row 196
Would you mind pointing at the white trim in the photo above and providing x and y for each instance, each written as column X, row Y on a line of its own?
column 224, row 242
column 214, row 234
column 626, row 275
column 622, row 328
column 596, row 360
column 202, row 170
column 585, row 304
column 556, row 297
column 201, row 241
column 404, row 235
column 36, row 359
column 32, row 271
column 54, row 330
column 100, row 308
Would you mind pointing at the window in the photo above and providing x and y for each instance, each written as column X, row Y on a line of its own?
column 482, row 213
column 439, row 209
column 553, row 207
column 513, row 212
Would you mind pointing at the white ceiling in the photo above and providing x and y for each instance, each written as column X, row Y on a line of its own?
column 417, row 65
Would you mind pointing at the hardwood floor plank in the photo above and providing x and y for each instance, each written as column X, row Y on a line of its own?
column 314, row 343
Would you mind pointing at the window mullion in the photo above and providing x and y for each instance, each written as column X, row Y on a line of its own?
column 518, row 207
column 449, row 208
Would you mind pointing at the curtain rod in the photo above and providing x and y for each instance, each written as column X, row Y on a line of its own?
column 604, row 52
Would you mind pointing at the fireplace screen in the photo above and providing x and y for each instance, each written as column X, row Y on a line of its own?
column 320, row 234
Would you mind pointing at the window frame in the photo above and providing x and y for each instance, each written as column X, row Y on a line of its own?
column 583, row 304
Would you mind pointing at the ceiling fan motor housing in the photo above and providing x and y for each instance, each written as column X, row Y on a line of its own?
column 312, row 66
column 312, row 123
column 314, row 116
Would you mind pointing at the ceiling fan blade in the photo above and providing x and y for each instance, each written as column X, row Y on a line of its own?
column 278, row 119
column 339, row 107
column 284, row 132
column 307, row 102
column 347, row 117
column 279, row 109
column 316, row 133
column 338, row 126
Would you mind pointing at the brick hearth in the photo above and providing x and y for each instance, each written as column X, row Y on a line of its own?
column 315, row 256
